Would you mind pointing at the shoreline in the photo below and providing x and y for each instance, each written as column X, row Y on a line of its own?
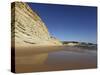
column 46, row 49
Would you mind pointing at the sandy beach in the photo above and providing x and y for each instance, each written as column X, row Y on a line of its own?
column 35, row 59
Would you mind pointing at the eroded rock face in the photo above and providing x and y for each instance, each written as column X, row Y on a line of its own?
column 28, row 28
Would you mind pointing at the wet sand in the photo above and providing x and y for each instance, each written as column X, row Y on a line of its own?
column 35, row 59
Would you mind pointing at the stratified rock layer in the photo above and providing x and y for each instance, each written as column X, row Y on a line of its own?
column 28, row 28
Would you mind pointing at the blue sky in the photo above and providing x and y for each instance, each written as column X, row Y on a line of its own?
column 67, row 22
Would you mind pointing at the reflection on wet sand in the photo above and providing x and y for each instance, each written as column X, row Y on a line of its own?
column 35, row 59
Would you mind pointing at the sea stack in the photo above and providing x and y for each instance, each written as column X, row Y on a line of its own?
column 28, row 29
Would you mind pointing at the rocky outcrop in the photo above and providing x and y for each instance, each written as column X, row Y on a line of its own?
column 28, row 28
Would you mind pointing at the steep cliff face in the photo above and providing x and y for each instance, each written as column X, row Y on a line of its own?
column 28, row 28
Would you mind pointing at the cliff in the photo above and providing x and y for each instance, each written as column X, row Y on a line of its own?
column 27, row 28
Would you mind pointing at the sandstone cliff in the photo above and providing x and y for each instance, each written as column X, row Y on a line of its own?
column 27, row 28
